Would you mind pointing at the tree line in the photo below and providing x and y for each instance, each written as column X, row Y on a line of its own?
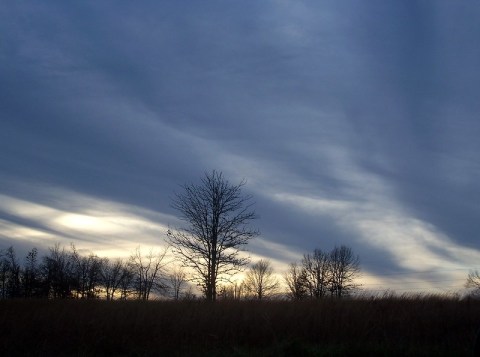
column 318, row 275
column 216, row 229
column 65, row 273
column 207, row 247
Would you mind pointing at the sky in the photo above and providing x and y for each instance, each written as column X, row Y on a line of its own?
column 353, row 122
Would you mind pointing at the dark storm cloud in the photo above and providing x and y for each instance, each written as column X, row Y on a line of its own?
column 426, row 134
column 354, row 123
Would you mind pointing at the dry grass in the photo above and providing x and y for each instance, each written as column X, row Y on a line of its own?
column 383, row 326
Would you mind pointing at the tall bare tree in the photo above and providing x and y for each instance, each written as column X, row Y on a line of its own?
column 217, row 216
column 260, row 281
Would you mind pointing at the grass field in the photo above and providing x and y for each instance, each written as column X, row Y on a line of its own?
column 389, row 326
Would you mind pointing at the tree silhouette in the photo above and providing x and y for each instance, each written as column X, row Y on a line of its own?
column 260, row 282
column 344, row 268
column 10, row 275
column 323, row 272
column 317, row 270
column 30, row 274
column 147, row 272
column 217, row 216
column 473, row 281
column 112, row 274
column 296, row 280
column 57, row 271
column 177, row 279
column 87, row 273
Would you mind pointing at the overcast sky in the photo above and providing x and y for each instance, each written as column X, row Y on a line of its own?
column 353, row 122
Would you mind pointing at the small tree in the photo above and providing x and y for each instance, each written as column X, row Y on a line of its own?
column 473, row 281
column 260, row 282
column 323, row 272
column 296, row 282
column 4, row 271
column 217, row 216
column 344, row 268
column 112, row 273
column 177, row 279
column 126, row 286
column 10, row 273
column 317, row 267
column 30, row 276
column 87, row 273
column 147, row 272
column 57, row 270
column 14, row 284
column 226, row 292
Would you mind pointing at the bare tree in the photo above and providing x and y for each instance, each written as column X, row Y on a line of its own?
column 87, row 273
column 296, row 282
column 473, row 281
column 30, row 274
column 189, row 294
column 344, row 268
column 147, row 271
column 260, row 282
column 4, row 270
column 231, row 291
column 217, row 216
column 57, row 273
column 127, row 282
column 226, row 292
column 177, row 279
column 112, row 274
column 323, row 272
column 317, row 272
column 10, row 284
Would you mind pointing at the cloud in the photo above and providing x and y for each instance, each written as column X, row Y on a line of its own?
column 90, row 223
column 353, row 123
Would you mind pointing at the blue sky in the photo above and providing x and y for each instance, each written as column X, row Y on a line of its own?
column 353, row 123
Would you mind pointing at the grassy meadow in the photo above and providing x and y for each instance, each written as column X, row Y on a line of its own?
column 389, row 326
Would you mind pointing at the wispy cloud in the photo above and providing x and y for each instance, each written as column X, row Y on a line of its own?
column 352, row 122
column 92, row 224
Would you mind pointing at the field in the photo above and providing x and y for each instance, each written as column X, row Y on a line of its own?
column 391, row 326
